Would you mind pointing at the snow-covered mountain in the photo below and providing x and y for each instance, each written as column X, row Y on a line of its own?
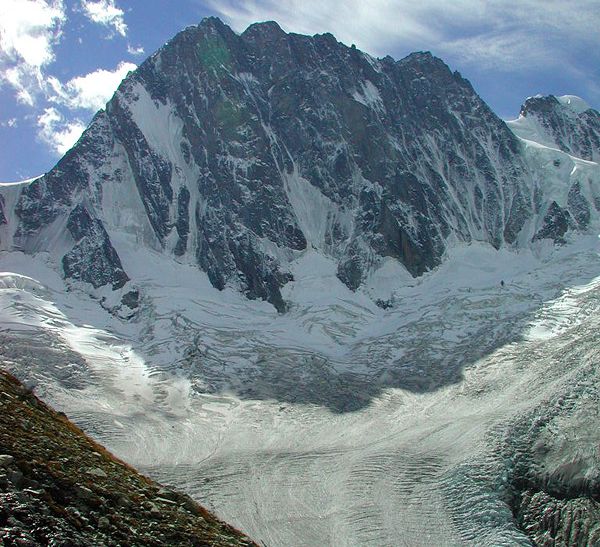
column 334, row 297
column 239, row 152
column 567, row 123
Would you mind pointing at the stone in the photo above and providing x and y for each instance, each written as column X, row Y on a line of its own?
column 165, row 500
column 168, row 494
column 153, row 509
column 6, row 460
column 97, row 472
column 15, row 477
column 84, row 493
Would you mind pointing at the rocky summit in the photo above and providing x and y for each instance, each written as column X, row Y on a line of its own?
column 58, row 487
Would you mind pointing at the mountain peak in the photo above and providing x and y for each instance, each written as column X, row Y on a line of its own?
column 566, row 122
column 425, row 64
column 420, row 56
column 264, row 27
column 424, row 58
column 245, row 150
column 545, row 103
column 212, row 22
column 575, row 103
column 538, row 103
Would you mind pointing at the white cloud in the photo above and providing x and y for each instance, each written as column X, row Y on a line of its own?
column 135, row 50
column 29, row 30
column 58, row 133
column 91, row 91
column 527, row 34
column 105, row 12
column 493, row 33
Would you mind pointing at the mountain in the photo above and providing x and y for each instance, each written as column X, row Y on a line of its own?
column 238, row 152
column 335, row 298
column 57, row 486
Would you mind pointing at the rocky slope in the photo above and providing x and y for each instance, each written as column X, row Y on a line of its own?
column 236, row 153
column 58, row 487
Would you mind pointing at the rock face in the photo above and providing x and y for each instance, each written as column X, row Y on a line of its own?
column 2, row 215
column 57, row 487
column 237, row 152
column 93, row 258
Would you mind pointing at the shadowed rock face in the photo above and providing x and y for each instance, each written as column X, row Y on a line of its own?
column 2, row 215
column 93, row 258
column 556, row 223
column 3, row 219
column 245, row 149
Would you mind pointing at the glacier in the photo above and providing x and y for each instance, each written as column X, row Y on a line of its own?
column 256, row 419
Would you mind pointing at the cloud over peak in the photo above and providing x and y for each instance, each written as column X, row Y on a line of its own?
column 485, row 34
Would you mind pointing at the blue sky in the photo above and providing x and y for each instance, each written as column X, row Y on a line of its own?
column 60, row 60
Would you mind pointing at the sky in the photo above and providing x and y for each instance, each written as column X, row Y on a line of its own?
column 61, row 60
